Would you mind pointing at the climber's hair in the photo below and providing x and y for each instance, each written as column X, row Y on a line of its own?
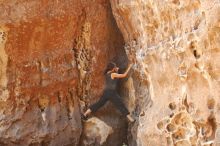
column 110, row 66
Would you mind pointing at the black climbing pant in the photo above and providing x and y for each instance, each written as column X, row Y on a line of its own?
column 113, row 96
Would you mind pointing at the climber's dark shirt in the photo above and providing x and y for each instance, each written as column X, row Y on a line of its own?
column 110, row 84
column 111, row 94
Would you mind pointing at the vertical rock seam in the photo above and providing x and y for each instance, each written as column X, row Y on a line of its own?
column 83, row 55
column 4, row 93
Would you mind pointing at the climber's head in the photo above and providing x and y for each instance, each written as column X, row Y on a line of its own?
column 112, row 67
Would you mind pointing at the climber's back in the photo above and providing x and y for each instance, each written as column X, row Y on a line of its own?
column 110, row 84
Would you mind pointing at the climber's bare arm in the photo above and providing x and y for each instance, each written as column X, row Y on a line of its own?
column 116, row 75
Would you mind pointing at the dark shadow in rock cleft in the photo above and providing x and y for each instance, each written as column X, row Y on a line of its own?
column 108, row 113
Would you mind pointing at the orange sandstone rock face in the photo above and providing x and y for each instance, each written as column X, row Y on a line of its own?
column 52, row 55
column 176, row 47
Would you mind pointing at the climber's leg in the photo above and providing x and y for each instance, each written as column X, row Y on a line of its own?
column 117, row 101
column 94, row 107
column 88, row 111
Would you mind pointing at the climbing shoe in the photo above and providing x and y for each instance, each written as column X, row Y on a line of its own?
column 83, row 117
column 132, row 121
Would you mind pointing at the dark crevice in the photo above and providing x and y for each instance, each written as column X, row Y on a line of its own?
column 116, row 53
column 58, row 97
column 196, row 55
column 120, row 58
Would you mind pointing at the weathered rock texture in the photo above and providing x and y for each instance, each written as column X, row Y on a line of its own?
column 176, row 79
column 95, row 132
column 52, row 57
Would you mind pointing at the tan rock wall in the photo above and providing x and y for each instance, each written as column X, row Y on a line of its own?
column 3, row 63
column 176, row 46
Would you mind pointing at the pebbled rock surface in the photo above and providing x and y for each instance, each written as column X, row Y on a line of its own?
column 176, row 79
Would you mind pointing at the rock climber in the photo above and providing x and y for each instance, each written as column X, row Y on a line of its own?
column 110, row 92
